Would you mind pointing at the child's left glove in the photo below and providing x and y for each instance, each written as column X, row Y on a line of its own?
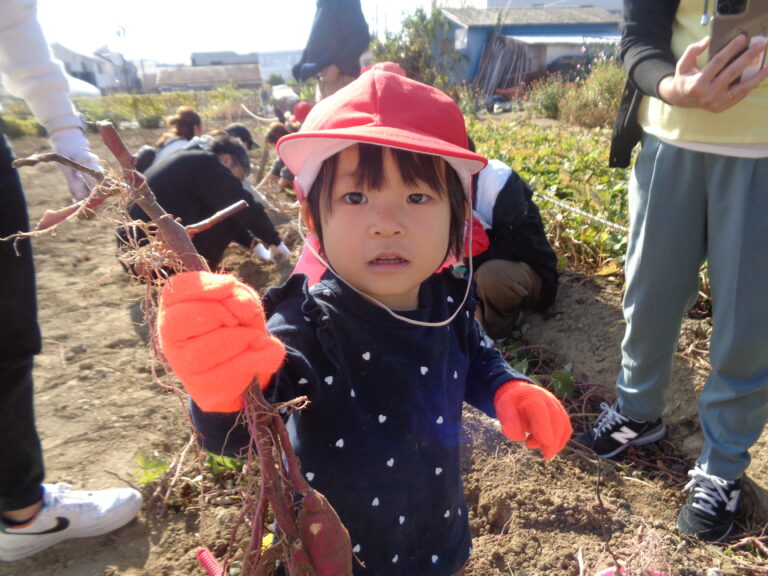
column 532, row 414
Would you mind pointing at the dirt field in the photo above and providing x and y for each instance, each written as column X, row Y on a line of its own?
column 98, row 407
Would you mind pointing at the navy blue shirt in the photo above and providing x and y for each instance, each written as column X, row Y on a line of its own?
column 380, row 437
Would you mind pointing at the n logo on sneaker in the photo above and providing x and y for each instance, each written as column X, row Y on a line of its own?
column 624, row 435
column 62, row 523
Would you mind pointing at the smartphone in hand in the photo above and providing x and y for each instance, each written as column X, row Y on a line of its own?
column 735, row 17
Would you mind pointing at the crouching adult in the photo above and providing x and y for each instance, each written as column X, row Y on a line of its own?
column 193, row 185
column 518, row 270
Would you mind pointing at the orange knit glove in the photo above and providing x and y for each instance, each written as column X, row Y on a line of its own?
column 532, row 414
column 214, row 335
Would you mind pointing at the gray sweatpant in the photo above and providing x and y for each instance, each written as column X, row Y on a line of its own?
column 687, row 207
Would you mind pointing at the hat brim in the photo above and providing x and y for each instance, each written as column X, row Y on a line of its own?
column 305, row 152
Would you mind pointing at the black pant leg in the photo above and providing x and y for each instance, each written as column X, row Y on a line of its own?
column 21, row 460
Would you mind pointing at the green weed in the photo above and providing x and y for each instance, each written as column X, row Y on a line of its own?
column 150, row 467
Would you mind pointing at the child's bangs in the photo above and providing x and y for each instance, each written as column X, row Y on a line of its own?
column 413, row 168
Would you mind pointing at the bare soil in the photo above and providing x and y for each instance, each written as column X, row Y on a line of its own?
column 99, row 406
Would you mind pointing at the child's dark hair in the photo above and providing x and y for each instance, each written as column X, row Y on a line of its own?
column 413, row 167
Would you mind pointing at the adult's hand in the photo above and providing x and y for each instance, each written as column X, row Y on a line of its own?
column 717, row 86
column 72, row 143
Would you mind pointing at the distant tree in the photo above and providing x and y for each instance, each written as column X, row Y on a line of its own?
column 275, row 79
column 423, row 47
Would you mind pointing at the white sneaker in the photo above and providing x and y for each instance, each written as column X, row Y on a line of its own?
column 69, row 514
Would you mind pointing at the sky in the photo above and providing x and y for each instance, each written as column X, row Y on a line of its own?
column 170, row 30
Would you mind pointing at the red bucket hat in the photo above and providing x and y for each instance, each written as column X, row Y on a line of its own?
column 386, row 109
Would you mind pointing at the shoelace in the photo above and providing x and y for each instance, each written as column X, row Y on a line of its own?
column 610, row 416
column 708, row 491
column 60, row 491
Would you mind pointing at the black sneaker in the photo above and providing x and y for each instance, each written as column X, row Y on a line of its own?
column 614, row 432
column 712, row 505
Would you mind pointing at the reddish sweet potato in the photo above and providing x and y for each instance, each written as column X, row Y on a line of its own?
column 325, row 538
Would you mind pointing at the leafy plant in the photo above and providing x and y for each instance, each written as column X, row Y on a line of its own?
column 16, row 127
column 221, row 464
column 150, row 467
column 422, row 46
column 583, row 202
column 545, row 95
column 594, row 101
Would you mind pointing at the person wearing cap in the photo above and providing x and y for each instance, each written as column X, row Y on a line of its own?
column 242, row 133
column 338, row 39
column 384, row 346
column 237, row 130
column 194, row 184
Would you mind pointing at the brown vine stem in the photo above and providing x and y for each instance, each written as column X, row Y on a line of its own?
column 173, row 233
column 203, row 225
column 105, row 187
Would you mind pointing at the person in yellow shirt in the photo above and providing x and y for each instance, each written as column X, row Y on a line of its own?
column 698, row 192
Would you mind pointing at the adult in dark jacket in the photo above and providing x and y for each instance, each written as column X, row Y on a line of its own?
column 195, row 184
column 338, row 38
column 519, row 268
column 697, row 193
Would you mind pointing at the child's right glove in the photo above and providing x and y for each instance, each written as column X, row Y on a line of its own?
column 532, row 414
column 214, row 335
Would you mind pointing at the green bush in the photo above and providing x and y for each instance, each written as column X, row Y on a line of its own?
column 544, row 95
column 594, row 102
column 16, row 127
column 153, row 121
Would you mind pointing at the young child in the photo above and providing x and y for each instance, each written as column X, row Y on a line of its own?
column 386, row 349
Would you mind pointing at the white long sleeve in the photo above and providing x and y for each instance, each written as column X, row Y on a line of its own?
column 28, row 68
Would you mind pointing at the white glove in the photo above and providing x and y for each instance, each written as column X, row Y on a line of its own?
column 282, row 249
column 262, row 253
column 72, row 143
